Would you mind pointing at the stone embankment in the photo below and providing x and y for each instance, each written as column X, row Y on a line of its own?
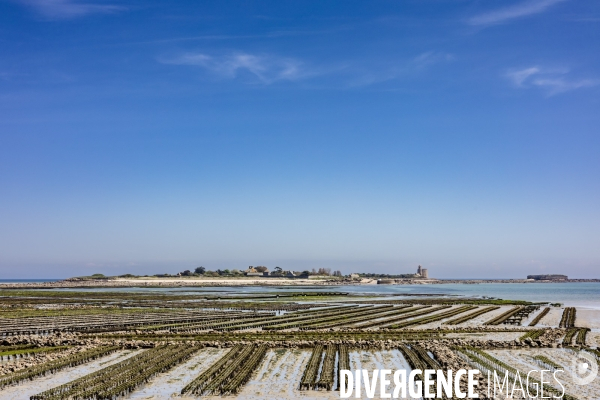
column 549, row 339
column 77, row 345
column 40, row 358
column 27, row 361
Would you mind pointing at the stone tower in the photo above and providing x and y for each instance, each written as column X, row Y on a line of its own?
column 419, row 271
column 424, row 273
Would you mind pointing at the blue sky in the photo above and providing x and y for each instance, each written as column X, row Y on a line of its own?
column 150, row 137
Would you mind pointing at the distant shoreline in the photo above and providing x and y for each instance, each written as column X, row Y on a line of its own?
column 248, row 281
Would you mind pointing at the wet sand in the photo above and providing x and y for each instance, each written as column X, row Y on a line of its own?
column 280, row 373
column 170, row 383
column 524, row 362
column 480, row 320
column 552, row 319
column 588, row 318
column 27, row 389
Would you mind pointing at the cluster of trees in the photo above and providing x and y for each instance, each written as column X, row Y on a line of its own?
column 92, row 277
column 326, row 272
column 201, row 271
column 277, row 271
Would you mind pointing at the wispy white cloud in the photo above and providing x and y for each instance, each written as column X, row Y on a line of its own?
column 523, row 9
column 560, row 85
column 66, row 9
column 268, row 69
column 265, row 69
column 429, row 58
column 552, row 81
column 520, row 76
column 224, row 37
column 407, row 67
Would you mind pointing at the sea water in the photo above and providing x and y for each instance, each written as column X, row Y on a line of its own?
column 571, row 294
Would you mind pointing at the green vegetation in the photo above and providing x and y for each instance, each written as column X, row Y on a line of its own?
column 453, row 301
column 418, row 358
column 486, row 362
column 56, row 365
column 174, row 325
column 162, row 296
column 568, row 318
column 413, row 359
column 328, row 318
column 323, row 359
column 533, row 334
column 578, row 333
column 230, row 373
column 92, row 277
column 21, row 302
column 29, row 351
column 404, row 316
column 539, row 317
column 503, row 317
column 472, row 315
column 102, row 323
column 289, row 336
column 581, row 335
column 547, row 363
column 432, row 318
column 309, row 378
column 523, row 313
column 595, row 352
column 343, row 361
column 16, row 347
column 328, row 369
column 568, row 338
column 34, row 312
column 384, row 312
column 121, row 378
column 200, row 382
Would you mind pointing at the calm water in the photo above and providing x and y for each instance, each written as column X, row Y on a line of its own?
column 586, row 294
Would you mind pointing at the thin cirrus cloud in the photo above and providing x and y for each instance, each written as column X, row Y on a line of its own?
column 268, row 69
column 552, row 81
column 429, row 58
column 265, row 69
column 67, row 9
column 506, row 14
column 410, row 67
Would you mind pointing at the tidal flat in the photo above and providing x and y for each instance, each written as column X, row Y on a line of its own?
column 275, row 343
